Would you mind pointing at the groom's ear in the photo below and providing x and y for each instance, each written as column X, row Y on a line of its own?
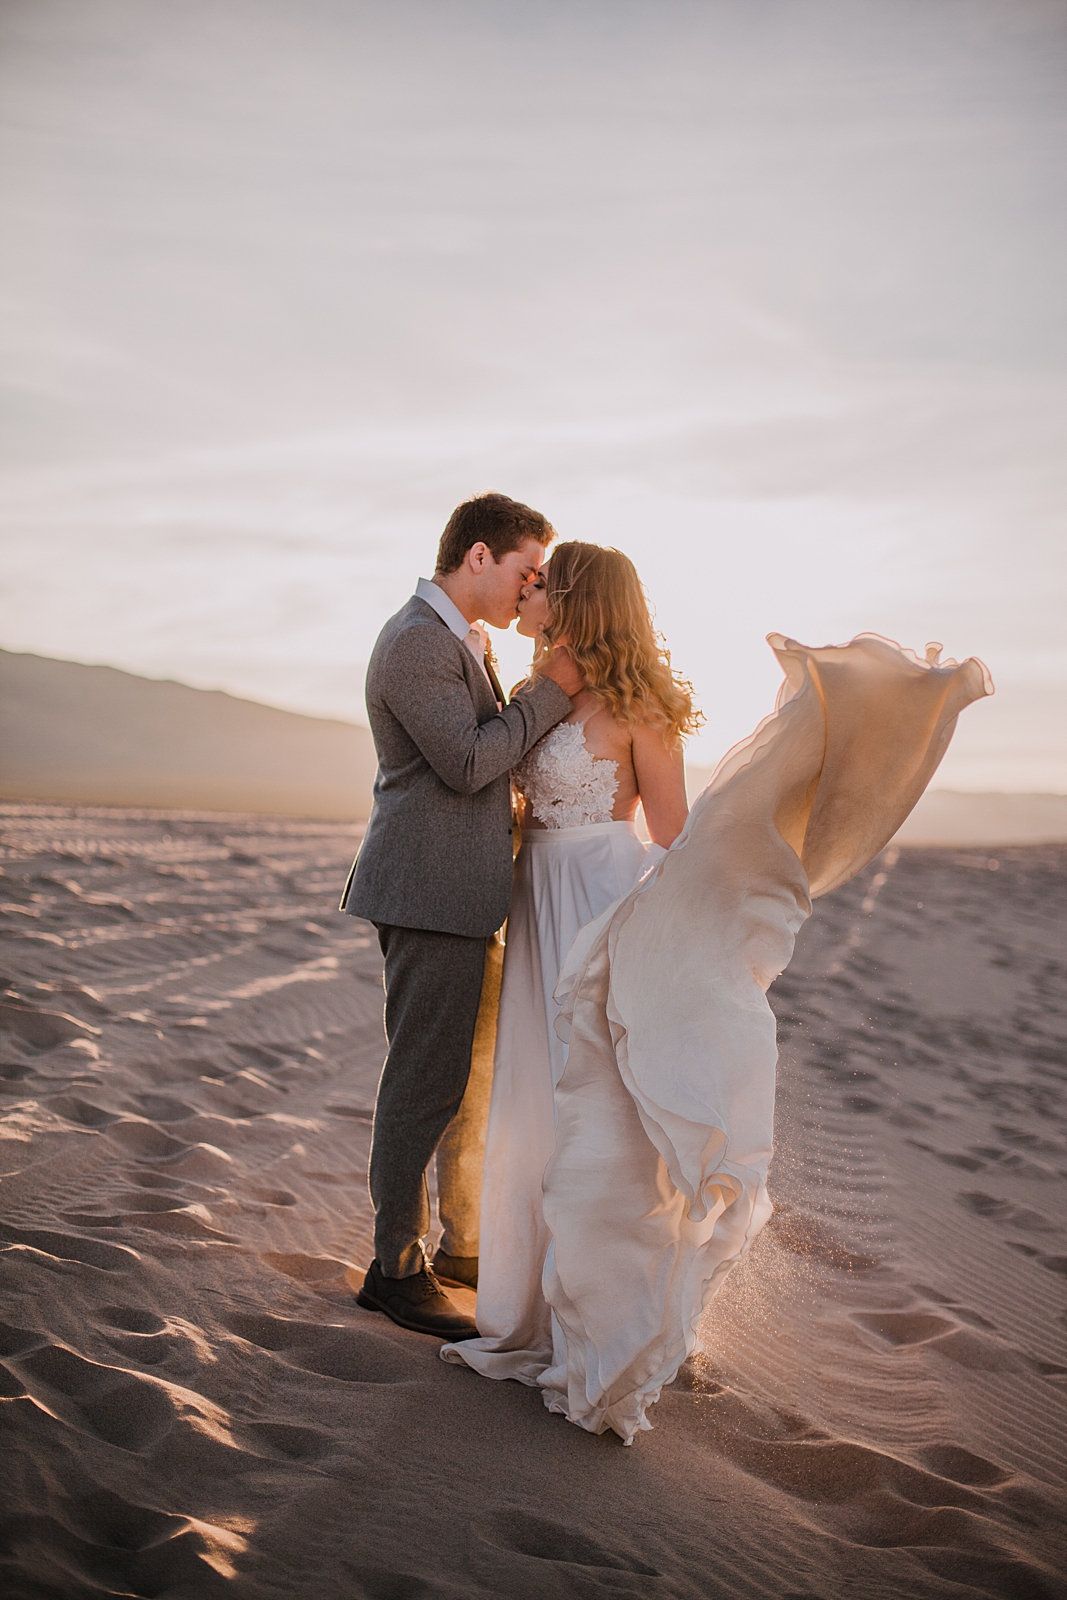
column 478, row 556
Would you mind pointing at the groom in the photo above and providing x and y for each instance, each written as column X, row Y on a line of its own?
column 434, row 870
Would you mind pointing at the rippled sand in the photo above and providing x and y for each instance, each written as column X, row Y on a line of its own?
column 193, row 1404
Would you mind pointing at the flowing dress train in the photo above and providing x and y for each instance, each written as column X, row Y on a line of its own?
column 657, row 1181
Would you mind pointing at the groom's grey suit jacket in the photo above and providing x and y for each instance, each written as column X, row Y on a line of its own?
column 437, row 853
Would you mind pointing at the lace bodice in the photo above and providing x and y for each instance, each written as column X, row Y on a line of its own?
column 564, row 786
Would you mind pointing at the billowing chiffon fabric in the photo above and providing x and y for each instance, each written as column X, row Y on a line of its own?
column 657, row 1183
column 564, row 878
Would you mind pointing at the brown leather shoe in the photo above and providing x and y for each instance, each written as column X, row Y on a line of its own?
column 459, row 1272
column 418, row 1303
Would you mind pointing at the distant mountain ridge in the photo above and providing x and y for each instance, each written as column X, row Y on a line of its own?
column 76, row 734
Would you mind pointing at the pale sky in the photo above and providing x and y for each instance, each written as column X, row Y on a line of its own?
column 771, row 295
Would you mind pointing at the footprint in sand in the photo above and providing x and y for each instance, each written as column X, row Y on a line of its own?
column 82, row 1112
column 289, row 1441
column 1033, row 1143
column 971, row 1347
column 131, row 1319
column 19, row 1341
column 56, row 1247
column 963, row 1313
column 982, row 1156
column 306, row 1269
column 147, row 1347
column 1020, row 1166
column 42, row 1030
column 330, row 1351
column 979, row 1571
column 102, row 1543
column 219, row 1100
column 958, row 1158
column 161, row 1108
column 130, row 1411
column 962, row 1466
column 114, row 1405
column 150, row 1340
column 157, row 1211
column 1015, row 1216
column 949, row 1509
column 145, row 1139
column 531, row 1557
column 978, row 1352
column 905, row 1327
column 15, row 1072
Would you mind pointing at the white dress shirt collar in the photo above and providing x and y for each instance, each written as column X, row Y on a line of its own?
column 446, row 609
column 470, row 634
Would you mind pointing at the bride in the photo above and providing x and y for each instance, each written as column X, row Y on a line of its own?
column 578, row 792
column 626, row 1168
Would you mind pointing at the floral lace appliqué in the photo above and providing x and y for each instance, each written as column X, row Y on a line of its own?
column 564, row 786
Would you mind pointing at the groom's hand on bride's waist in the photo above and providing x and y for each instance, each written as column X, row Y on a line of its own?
column 562, row 669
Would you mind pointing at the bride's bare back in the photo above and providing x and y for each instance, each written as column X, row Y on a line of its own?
column 647, row 771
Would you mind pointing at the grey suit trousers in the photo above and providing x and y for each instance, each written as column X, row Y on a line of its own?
column 433, row 987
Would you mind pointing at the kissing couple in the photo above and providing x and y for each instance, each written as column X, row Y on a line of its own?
column 601, row 1109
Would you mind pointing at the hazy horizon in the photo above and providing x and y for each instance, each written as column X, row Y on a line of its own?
column 770, row 297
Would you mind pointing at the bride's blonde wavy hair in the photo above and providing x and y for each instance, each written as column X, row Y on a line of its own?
column 598, row 608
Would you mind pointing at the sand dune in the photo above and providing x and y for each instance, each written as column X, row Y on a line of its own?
column 98, row 736
column 194, row 1405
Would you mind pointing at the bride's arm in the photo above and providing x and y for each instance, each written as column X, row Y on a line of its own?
column 660, row 773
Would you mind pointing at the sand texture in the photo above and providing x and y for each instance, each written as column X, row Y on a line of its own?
column 193, row 1405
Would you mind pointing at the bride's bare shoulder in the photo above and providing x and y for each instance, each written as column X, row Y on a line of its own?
column 653, row 728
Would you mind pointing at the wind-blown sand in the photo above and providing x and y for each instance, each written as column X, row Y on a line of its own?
column 194, row 1405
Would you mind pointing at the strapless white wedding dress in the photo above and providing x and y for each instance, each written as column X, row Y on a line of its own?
column 567, row 872
column 652, row 1183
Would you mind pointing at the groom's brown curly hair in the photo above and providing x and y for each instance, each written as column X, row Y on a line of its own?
column 493, row 520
